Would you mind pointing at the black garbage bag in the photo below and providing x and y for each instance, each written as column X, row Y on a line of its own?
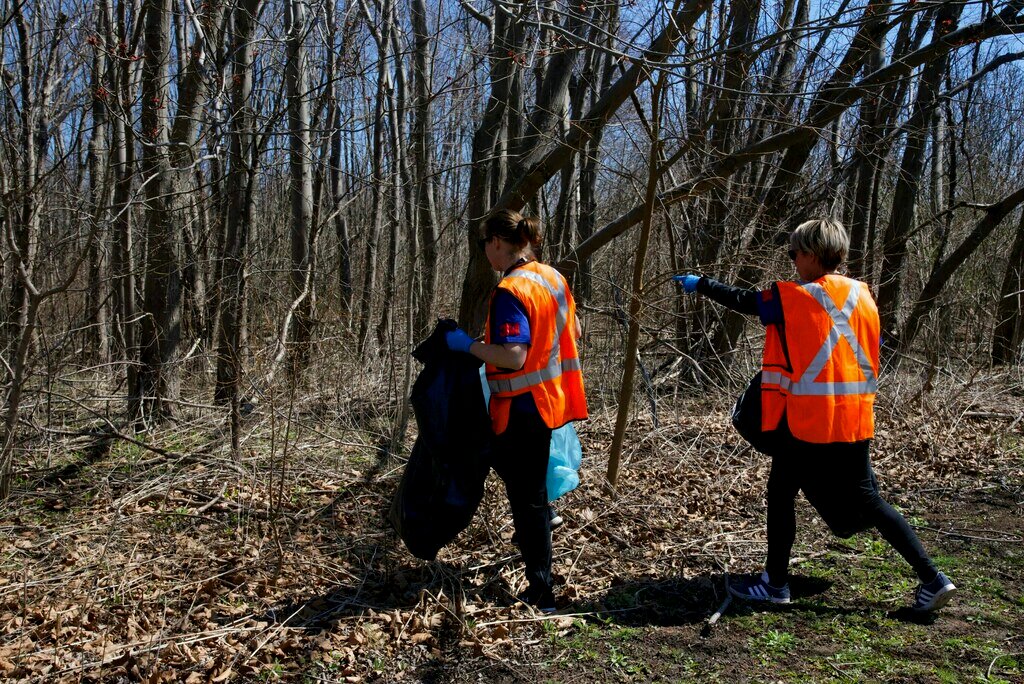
column 746, row 418
column 443, row 482
column 844, row 516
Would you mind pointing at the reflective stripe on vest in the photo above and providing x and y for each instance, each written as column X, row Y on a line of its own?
column 553, row 368
column 550, row 372
column 806, row 385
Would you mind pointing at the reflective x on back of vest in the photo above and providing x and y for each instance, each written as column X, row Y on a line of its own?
column 827, row 383
column 807, row 383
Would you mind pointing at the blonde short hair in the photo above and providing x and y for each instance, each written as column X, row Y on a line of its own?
column 825, row 238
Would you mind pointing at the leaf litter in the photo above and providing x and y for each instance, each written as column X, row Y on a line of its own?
column 194, row 567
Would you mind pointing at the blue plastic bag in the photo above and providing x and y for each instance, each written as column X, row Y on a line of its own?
column 564, row 461
column 565, row 456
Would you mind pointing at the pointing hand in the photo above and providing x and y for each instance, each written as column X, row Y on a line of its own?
column 688, row 282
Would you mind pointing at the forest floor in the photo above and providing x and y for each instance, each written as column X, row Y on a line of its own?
column 165, row 560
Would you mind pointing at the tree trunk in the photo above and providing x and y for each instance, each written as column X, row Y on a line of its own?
column 242, row 166
column 12, row 405
column 122, row 161
column 1009, row 332
column 25, row 215
column 945, row 269
column 866, row 164
column 337, row 192
column 908, row 183
column 402, row 191
column 654, row 171
column 159, row 374
column 98, row 339
column 598, row 78
column 422, row 148
column 479, row 277
column 301, row 177
column 382, row 37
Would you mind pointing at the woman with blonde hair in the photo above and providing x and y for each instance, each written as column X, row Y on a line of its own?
column 818, row 382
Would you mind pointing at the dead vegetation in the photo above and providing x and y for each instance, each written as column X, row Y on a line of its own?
column 159, row 558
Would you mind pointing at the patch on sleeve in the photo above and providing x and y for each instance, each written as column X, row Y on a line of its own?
column 766, row 295
column 508, row 329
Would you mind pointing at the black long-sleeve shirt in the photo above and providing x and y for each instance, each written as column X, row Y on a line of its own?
column 763, row 303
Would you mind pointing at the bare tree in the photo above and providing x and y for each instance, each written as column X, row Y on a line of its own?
column 300, row 165
column 904, row 203
column 239, row 187
column 654, row 170
column 36, row 63
column 487, row 140
column 160, row 331
column 943, row 270
column 423, row 163
column 381, row 30
column 1009, row 331
column 99, row 190
column 800, row 135
column 545, row 161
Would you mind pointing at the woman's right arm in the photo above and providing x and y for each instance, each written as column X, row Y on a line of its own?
column 763, row 303
column 736, row 298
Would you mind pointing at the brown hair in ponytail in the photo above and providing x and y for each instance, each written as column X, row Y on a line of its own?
column 514, row 228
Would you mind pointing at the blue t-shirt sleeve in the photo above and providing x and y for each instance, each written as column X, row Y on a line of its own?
column 509, row 322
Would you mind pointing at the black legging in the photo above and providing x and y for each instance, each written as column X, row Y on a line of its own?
column 521, row 460
column 842, row 473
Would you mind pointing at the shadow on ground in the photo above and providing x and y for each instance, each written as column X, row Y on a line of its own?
column 652, row 601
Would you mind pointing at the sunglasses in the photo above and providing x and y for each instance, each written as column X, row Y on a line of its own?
column 792, row 254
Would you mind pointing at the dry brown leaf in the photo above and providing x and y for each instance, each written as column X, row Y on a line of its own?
column 223, row 676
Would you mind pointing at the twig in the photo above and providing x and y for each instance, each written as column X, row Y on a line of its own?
column 722, row 608
column 993, row 416
column 1016, row 539
column 988, row 675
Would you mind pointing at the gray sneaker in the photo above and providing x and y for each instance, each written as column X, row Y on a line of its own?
column 935, row 594
column 758, row 589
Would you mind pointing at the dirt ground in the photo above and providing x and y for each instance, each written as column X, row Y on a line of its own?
column 167, row 560
column 849, row 620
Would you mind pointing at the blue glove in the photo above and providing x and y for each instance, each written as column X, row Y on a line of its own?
column 688, row 282
column 459, row 340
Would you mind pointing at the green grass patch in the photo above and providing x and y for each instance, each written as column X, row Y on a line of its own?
column 772, row 645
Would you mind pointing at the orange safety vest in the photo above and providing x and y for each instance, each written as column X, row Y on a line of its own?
column 552, row 371
column 820, row 367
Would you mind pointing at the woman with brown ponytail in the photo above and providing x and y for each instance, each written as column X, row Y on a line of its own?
column 533, row 371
